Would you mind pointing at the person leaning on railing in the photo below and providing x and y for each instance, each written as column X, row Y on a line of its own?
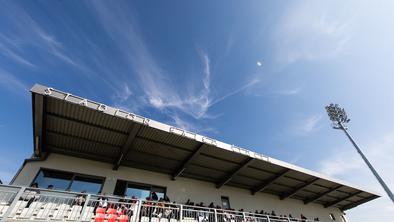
column 30, row 195
column 159, row 209
column 102, row 202
column 80, row 199
column 126, row 206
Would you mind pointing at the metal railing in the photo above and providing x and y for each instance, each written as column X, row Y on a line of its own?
column 29, row 204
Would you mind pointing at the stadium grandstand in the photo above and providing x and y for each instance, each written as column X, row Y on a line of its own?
column 93, row 162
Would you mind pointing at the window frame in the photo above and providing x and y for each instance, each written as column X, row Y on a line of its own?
column 74, row 174
column 228, row 201
column 141, row 185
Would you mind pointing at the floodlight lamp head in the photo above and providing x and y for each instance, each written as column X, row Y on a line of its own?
column 337, row 115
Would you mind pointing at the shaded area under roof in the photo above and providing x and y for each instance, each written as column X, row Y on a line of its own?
column 71, row 125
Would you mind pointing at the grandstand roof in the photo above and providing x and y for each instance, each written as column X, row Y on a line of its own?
column 71, row 125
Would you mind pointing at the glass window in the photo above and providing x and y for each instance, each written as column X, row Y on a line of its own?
column 225, row 203
column 160, row 191
column 89, row 185
column 68, row 181
column 140, row 191
column 59, row 180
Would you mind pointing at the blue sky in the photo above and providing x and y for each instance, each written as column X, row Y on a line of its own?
column 256, row 74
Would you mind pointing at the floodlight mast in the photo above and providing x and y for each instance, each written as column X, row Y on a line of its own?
column 339, row 120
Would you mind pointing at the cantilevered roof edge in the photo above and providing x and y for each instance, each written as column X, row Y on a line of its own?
column 100, row 107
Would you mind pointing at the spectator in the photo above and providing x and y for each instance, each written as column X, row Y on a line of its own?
column 166, row 199
column 103, row 201
column 147, row 208
column 123, row 200
column 189, row 203
column 30, row 195
column 158, row 211
column 126, row 207
column 201, row 204
column 154, row 196
column 133, row 199
column 162, row 208
column 50, row 187
column 80, row 199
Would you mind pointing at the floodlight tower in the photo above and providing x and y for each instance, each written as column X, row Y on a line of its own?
column 339, row 120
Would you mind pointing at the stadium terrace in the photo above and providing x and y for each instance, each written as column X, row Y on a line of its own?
column 93, row 162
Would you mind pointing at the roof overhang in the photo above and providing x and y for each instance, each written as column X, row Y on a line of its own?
column 71, row 125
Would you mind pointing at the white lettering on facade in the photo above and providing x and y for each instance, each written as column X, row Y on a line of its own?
column 48, row 91
column 129, row 116
column 146, row 121
column 67, row 95
column 83, row 102
column 102, row 107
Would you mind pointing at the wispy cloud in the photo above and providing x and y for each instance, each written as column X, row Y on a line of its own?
column 190, row 126
column 26, row 35
column 141, row 76
column 11, row 83
column 308, row 32
column 140, row 83
column 156, row 89
column 123, row 93
column 236, row 91
column 53, row 46
column 338, row 165
column 281, row 92
column 196, row 104
column 310, row 124
column 288, row 92
column 346, row 160
column 345, row 163
column 8, row 48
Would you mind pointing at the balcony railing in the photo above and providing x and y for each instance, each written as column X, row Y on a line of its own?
column 28, row 204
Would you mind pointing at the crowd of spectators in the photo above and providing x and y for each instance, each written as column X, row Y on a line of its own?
column 164, row 208
column 232, row 213
column 153, row 206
